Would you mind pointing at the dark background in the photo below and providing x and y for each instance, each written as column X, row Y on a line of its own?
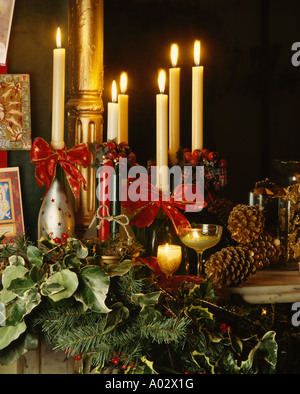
column 251, row 88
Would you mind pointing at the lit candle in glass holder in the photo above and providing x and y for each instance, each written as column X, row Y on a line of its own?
column 169, row 258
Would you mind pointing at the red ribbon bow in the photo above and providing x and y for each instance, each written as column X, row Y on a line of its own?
column 154, row 200
column 46, row 160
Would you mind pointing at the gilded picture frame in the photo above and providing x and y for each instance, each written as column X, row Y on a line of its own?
column 11, row 207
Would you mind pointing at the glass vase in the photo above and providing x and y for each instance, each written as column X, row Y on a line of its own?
column 160, row 232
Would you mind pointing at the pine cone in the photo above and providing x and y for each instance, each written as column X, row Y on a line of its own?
column 245, row 223
column 267, row 250
column 230, row 266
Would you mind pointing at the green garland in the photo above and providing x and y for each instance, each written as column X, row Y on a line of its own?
column 127, row 318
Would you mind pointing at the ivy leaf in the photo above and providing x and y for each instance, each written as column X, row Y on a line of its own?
column 19, row 286
column 27, row 341
column 12, row 272
column 20, row 307
column 60, row 285
column 38, row 274
column 118, row 314
column 35, row 256
column 71, row 260
column 10, row 333
column 146, row 299
column 16, row 260
column 93, row 288
column 121, row 268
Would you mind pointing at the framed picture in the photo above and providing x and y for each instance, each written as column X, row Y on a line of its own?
column 15, row 114
column 6, row 16
column 11, row 208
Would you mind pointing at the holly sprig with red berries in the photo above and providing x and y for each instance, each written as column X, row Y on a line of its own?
column 204, row 157
column 109, row 153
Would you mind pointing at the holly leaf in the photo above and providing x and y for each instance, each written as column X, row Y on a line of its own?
column 198, row 312
column 60, row 285
column 93, row 288
column 203, row 362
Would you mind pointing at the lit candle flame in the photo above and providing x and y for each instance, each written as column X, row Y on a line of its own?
column 58, row 38
column 123, row 82
column 197, row 53
column 114, row 92
column 174, row 54
column 195, row 235
column 162, row 81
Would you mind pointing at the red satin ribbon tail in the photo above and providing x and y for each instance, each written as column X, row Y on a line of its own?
column 177, row 218
column 145, row 217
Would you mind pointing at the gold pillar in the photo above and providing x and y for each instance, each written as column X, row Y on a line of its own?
column 85, row 83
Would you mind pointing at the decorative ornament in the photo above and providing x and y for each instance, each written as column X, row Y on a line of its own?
column 289, row 223
column 56, row 216
column 46, row 160
column 230, row 266
column 246, row 223
column 268, row 188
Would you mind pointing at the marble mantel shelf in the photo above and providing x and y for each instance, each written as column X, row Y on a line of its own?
column 269, row 286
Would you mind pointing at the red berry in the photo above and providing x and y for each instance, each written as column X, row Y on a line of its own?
column 124, row 367
column 205, row 152
column 197, row 153
column 212, row 156
column 122, row 145
column 132, row 158
column 77, row 358
column 57, row 240
column 111, row 145
column 187, row 156
column 122, row 154
column 223, row 163
column 64, row 236
column 108, row 163
column 111, row 154
column 132, row 365
column 194, row 161
column 116, row 361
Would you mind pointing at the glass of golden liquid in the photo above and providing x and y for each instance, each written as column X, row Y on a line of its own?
column 200, row 237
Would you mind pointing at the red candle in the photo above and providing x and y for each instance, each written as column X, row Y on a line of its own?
column 104, row 202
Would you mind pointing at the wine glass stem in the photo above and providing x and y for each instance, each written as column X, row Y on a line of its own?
column 199, row 264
